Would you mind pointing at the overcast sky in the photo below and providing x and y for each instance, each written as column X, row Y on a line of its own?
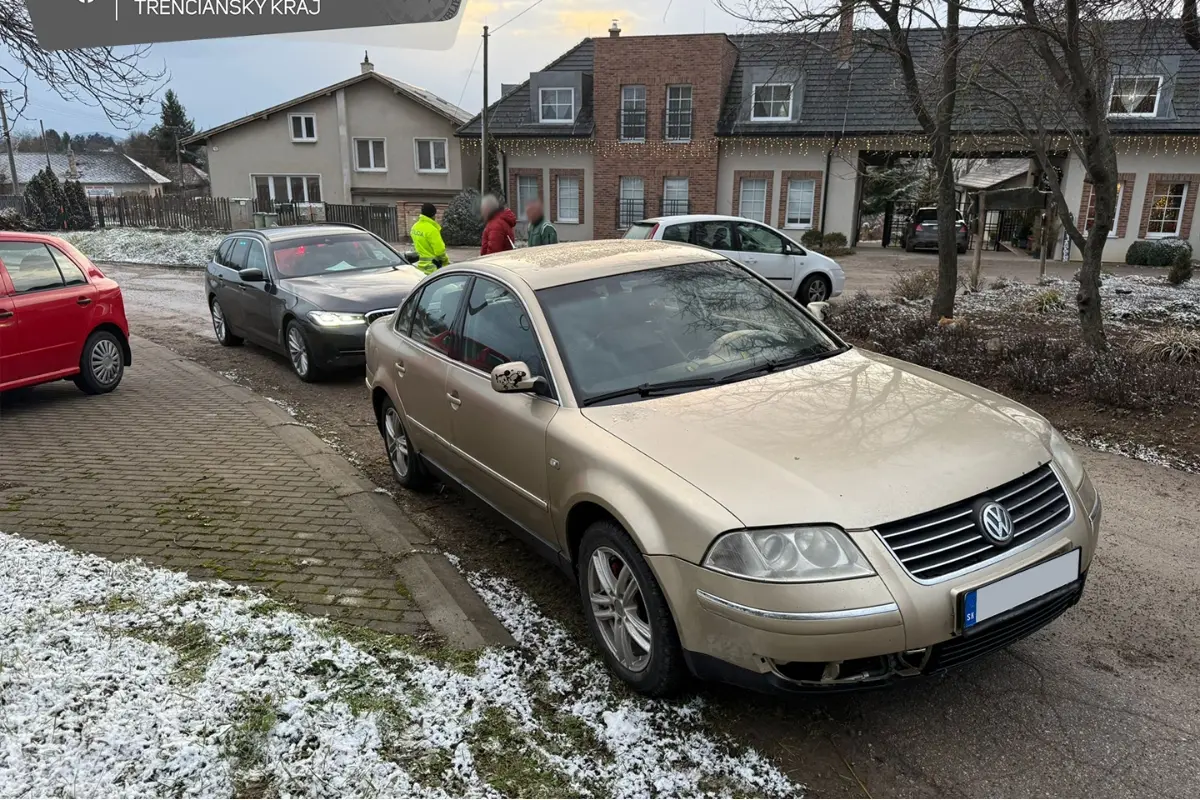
column 220, row 80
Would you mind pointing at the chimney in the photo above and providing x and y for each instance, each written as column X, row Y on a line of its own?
column 366, row 65
column 845, row 37
column 614, row 30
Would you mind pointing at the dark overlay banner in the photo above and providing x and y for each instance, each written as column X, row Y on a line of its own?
column 69, row 24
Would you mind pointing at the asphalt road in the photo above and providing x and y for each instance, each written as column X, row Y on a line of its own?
column 1103, row 702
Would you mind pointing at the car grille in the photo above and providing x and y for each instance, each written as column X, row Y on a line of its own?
column 935, row 544
column 961, row 649
column 378, row 313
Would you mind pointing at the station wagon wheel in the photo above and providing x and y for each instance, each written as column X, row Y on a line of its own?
column 221, row 325
column 406, row 464
column 299, row 353
column 814, row 289
column 627, row 612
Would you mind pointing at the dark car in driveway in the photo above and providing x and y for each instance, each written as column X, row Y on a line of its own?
column 921, row 232
column 308, row 292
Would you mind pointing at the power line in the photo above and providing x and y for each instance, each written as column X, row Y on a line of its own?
column 463, row 93
column 527, row 9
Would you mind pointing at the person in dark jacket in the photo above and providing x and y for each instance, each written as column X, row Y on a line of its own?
column 498, row 226
column 540, row 230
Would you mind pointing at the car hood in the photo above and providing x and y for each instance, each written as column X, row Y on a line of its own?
column 855, row 440
column 356, row 291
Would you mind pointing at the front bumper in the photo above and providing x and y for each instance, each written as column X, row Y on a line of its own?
column 337, row 348
column 862, row 632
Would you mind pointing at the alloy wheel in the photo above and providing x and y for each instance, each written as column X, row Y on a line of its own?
column 817, row 292
column 106, row 361
column 218, row 320
column 396, row 441
column 619, row 609
column 298, row 351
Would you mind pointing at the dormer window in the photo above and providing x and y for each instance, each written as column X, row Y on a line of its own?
column 304, row 127
column 1135, row 96
column 556, row 106
column 771, row 102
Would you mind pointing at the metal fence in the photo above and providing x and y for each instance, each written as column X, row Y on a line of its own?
column 145, row 211
column 378, row 219
column 12, row 202
column 629, row 212
column 671, row 208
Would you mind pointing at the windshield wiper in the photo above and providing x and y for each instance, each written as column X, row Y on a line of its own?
column 773, row 365
column 647, row 389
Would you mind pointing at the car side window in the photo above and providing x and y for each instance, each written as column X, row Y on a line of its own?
column 716, row 235
column 436, row 310
column 223, row 252
column 237, row 256
column 30, row 266
column 405, row 318
column 757, row 239
column 497, row 330
column 256, row 258
column 72, row 274
column 678, row 233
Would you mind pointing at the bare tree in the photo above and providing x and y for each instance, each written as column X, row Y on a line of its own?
column 115, row 80
column 923, row 39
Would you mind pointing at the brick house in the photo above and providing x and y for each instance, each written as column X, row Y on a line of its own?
column 782, row 129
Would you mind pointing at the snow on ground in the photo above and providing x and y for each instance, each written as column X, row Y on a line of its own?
column 146, row 245
column 119, row 679
column 1125, row 298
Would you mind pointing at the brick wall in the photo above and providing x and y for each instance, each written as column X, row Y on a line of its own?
column 1191, row 179
column 704, row 62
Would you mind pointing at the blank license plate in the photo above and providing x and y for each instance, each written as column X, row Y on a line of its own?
column 980, row 605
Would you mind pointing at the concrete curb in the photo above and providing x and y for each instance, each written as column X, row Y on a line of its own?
column 448, row 602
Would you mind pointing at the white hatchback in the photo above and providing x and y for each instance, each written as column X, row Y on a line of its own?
column 804, row 274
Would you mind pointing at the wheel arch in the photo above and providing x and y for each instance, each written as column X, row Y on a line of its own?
column 113, row 328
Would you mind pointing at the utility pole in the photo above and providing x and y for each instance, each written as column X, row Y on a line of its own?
column 45, row 146
column 12, row 161
column 975, row 267
column 483, row 159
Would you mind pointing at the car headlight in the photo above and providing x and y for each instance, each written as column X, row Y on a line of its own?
column 789, row 555
column 334, row 319
column 1066, row 459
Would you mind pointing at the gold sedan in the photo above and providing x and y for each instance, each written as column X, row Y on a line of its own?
column 739, row 494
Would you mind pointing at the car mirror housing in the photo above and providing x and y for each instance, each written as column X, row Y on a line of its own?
column 514, row 377
column 251, row 275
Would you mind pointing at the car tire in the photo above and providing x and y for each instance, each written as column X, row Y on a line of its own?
column 909, row 246
column 407, row 467
column 962, row 249
column 659, row 671
column 814, row 284
column 299, row 353
column 102, row 363
column 221, row 327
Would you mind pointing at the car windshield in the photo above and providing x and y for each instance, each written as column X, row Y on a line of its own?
column 625, row 336
column 640, row 230
column 321, row 255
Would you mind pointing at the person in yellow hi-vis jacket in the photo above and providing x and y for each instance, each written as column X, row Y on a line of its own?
column 426, row 235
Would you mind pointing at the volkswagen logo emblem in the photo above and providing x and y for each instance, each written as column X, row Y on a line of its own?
column 994, row 523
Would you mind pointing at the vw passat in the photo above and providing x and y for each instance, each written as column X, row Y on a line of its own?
column 737, row 492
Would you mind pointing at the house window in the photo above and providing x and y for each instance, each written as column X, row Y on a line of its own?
column 527, row 192
column 272, row 189
column 568, row 199
column 633, row 113
column 771, row 102
column 1135, row 96
column 557, row 105
column 675, row 196
column 431, row 155
column 370, row 155
column 1166, row 210
column 1090, row 219
column 304, row 127
column 679, row 113
column 800, row 197
column 753, row 202
column 632, row 203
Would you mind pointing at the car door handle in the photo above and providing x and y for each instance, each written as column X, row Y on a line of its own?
column 5, row 314
column 83, row 301
column 399, row 368
column 455, row 400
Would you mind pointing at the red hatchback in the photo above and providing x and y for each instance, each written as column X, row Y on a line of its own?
column 59, row 317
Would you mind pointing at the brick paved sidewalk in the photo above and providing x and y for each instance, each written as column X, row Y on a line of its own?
column 182, row 468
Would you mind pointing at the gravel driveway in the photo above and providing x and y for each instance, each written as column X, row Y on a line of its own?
column 1101, row 703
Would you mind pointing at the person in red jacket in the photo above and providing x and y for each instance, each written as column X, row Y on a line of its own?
column 498, row 227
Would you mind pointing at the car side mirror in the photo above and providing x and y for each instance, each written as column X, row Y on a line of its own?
column 818, row 310
column 251, row 275
column 412, row 257
column 514, row 377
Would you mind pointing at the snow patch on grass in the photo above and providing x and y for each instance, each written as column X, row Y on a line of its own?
column 127, row 680
column 1150, row 454
column 1125, row 298
column 147, row 245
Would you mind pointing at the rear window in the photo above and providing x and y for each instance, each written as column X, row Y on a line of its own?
column 930, row 215
column 640, row 230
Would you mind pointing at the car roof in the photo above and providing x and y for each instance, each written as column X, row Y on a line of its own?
column 296, row 231
column 571, row 262
column 677, row 219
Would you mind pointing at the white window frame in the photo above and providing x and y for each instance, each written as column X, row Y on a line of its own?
column 766, row 200
column 432, row 161
column 621, row 195
column 292, row 127
column 691, row 110
column 371, row 149
column 541, row 102
column 1112, row 91
column 671, row 186
column 1091, row 212
column 753, row 102
column 787, row 205
column 523, row 199
column 1178, row 219
column 271, row 176
column 624, row 110
column 558, row 215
